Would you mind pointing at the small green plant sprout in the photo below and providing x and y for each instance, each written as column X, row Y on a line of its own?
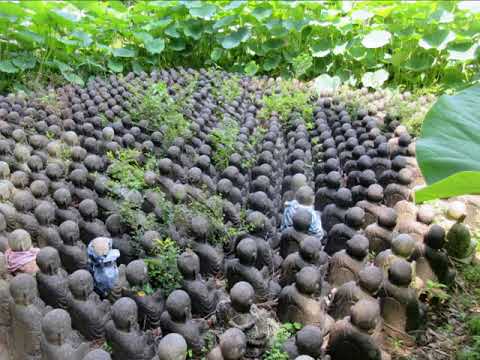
column 435, row 292
column 285, row 331
column 162, row 268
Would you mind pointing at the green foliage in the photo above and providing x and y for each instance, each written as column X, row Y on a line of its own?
column 449, row 146
column 125, row 170
column 276, row 351
column 418, row 43
column 290, row 99
column 162, row 269
column 223, row 140
column 471, row 273
column 230, row 89
column 161, row 111
column 472, row 352
column 436, row 292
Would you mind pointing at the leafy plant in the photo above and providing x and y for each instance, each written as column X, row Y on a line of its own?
column 223, row 139
column 162, row 269
column 290, row 99
column 436, row 292
column 419, row 44
column 276, row 351
column 125, row 170
column 449, row 146
column 161, row 111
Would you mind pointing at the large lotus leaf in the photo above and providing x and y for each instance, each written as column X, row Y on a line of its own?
column 438, row 39
column 6, row 66
column 450, row 139
column 465, row 182
column 326, row 82
column 204, row 10
column 376, row 39
column 375, row 79
column 155, row 46
column 123, row 52
column 235, row 38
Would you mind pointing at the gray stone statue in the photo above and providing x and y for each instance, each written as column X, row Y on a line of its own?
column 298, row 303
column 177, row 318
column 52, row 280
column 380, row 234
column 57, row 342
column 308, row 341
column 370, row 279
column 73, row 252
column 6, row 302
column 233, row 344
column 211, row 259
column 403, row 246
column 150, row 302
column 89, row 314
column 172, row 347
column 122, row 332
column 346, row 264
column 243, row 268
column 203, row 295
column 27, row 313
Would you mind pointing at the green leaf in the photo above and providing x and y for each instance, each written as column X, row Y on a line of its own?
column 271, row 62
column 194, row 29
column 438, row 39
column 204, row 11
column 262, row 11
column 24, row 63
column 321, row 48
column 142, row 36
column 326, row 82
column 115, row 66
column 123, row 52
column 235, row 4
column 216, row 54
column 6, row 66
column 73, row 78
column 450, row 136
column 224, row 21
column 376, row 39
column 177, row 44
column 155, row 46
column 137, row 68
column 462, row 51
column 172, row 31
column 375, row 79
column 235, row 38
column 361, row 15
column 301, row 64
column 464, row 182
column 271, row 44
column 419, row 61
column 251, row 68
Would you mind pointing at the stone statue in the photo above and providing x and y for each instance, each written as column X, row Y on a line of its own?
column 239, row 311
column 292, row 237
column 57, row 342
column 372, row 205
column 399, row 304
column 6, row 302
column 370, row 279
column 298, row 303
column 172, row 347
column 211, row 259
column 380, row 234
column 97, row 355
column 243, row 268
column 403, row 246
column 177, row 318
column 21, row 256
column 335, row 213
column 326, row 195
column 203, row 295
column 150, row 302
column 307, row 341
column 122, row 332
column 89, row 314
column 354, row 335
column 340, row 233
column 309, row 254
column 52, row 279
column 346, row 264
column 233, row 344
column 73, row 252
column 27, row 313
